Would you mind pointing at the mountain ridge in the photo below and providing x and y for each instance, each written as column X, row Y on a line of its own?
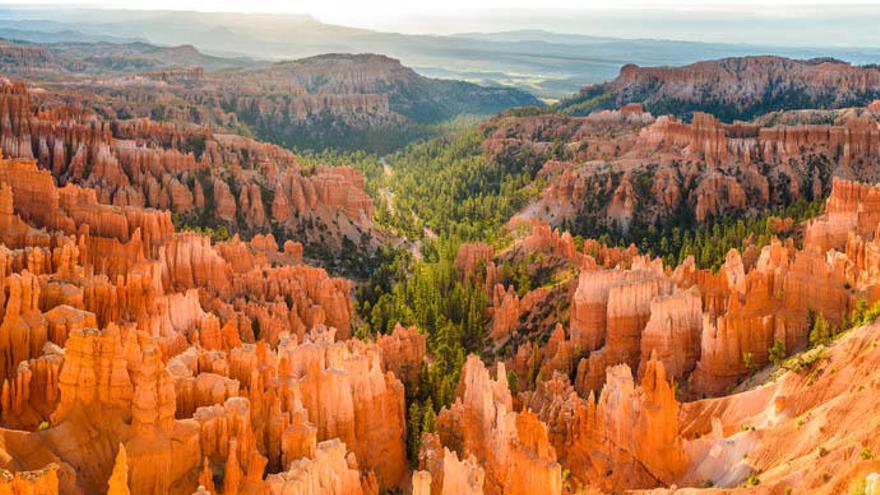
column 548, row 69
column 734, row 87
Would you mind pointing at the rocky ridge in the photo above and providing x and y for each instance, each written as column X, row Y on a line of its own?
column 734, row 88
column 630, row 169
column 337, row 100
column 206, row 179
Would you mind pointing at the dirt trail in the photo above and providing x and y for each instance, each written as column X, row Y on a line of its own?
column 387, row 195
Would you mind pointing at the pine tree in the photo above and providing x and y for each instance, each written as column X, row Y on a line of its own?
column 414, row 432
column 821, row 332
column 428, row 416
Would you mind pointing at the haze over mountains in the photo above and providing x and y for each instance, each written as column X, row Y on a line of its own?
column 264, row 255
column 334, row 101
column 545, row 63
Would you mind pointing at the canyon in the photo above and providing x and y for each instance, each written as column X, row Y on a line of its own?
column 182, row 356
column 200, row 366
column 665, row 376
column 175, row 319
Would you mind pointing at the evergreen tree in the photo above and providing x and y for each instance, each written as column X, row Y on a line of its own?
column 414, row 431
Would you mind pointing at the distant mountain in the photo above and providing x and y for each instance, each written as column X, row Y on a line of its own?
column 65, row 35
column 733, row 88
column 548, row 64
column 353, row 101
column 418, row 98
column 343, row 101
column 539, row 35
column 103, row 58
column 143, row 56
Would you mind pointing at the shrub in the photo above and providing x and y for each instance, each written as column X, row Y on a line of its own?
column 512, row 382
column 859, row 312
column 749, row 360
column 752, row 480
column 872, row 314
column 805, row 361
column 821, row 332
column 778, row 352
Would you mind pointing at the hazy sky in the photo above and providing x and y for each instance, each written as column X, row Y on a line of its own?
column 781, row 22
column 378, row 13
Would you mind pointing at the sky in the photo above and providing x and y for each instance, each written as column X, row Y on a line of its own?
column 373, row 13
column 851, row 23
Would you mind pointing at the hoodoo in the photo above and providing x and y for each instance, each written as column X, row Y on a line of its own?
column 668, row 283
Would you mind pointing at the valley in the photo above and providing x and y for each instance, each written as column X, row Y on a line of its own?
column 333, row 275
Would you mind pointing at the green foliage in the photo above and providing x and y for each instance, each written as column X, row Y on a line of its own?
column 860, row 488
column 864, row 315
column 752, row 480
column 678, row 236
column 566, row 480
column 451, row 313
column 777, row 352
column 749, row 360
column 43, row 426
column 452, row 187
column 859, row 312
column 431, row 297
column 866, row 454
column 220, row 233
column 428, row 416
column 821, row 332
column 512, row 383
column 805, row 361
column 591, row 98
column 414, row 431
column 528, row 111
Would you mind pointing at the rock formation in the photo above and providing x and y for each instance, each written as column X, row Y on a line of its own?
column 629, row 439
column 673, row 332
column 118, row 482
column 444, row 473
column 182, row 356
column 658, row 167
column 512, row 447
column 742, row 86
column 176, row 167
column 470, row 256
column 610, row 310
column 403, row 353
column 139, row 358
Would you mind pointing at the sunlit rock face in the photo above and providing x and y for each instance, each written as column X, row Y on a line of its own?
column 238, row 183
column 182, row 357
column 744, row 87
column 624, row 172
column 137, row 358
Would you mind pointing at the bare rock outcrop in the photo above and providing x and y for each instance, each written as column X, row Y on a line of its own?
column 513, row 448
